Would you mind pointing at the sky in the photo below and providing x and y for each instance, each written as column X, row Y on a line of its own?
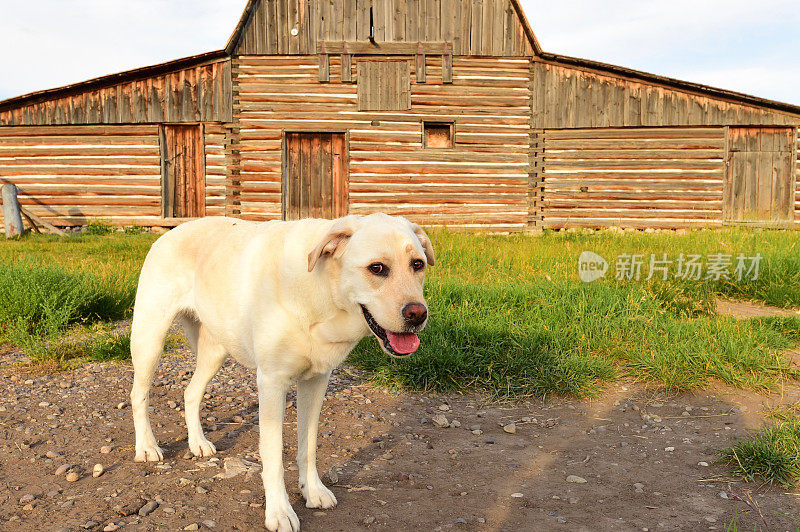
column 742, row 45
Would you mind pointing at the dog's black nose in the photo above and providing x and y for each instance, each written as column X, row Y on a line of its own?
column 415, row 313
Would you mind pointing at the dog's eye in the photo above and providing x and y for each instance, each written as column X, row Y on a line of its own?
column 379, row 268
column 417, row 264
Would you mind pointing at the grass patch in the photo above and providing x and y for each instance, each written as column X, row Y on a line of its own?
column 110, row 346
column 509, row 314
column 772, row 454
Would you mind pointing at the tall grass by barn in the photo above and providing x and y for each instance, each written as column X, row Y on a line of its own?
column 509, row 314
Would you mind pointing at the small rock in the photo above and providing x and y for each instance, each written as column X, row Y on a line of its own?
column 440, row 421
column 90, row 524
column 561, row 519
column 369, row 520
column 669, row 449
column 193, row 526
column 444, row 408
column 122, row 405
column 210, row 523
column 201, row 490
column 477, row 432
column 110, row 527
column 460, row 521
column 148, row 508
column 489, row 440
column 105, row 449
column 575, row 479
column 702, row 464
column 98, row 470
column 510, row 428
column 639, row 487
column 710, row 519
column 52, row 455
column 25, row 499
column 722, row 495
column 517, row 495
column 63, row 469
column 73, row 476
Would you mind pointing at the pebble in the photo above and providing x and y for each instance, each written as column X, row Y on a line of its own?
column 669, row 449
column 62, row 469
column 639, row 487
column 517, row 495
column 702, row 464
column 105, row 449
column 477, row 432
column 148, row 508
column 510, row 428
column 201, row 490
column 722, row 495
column 369, row 520
column 90, row 524
column 440, row 421
column 122, row 405
column 110, row 527
column 72, row 476
column 210, row 523
column 25, row 499
column 575, row 479
column 52, row 455
column 98, row 470
column 490, row 440
column 460, row 521
column 193, row 526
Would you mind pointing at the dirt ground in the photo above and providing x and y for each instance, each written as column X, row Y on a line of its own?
column 632, row 459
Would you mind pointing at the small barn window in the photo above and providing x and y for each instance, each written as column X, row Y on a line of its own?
column 438, row 135
column 383, row 86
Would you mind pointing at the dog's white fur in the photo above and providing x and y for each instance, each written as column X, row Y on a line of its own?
column 283, row 298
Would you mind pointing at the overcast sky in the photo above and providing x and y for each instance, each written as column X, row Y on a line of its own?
column 742, row 45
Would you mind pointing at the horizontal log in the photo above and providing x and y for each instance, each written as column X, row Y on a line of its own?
column 634, row 133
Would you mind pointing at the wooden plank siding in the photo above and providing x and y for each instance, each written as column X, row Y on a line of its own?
column 69, row 175
column 634, row 177
column 481, row 182
column 570, row 97
column 475, row 27
column 796, row 184
column 197, row 94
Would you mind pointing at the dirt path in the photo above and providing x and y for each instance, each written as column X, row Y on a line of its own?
column 647, row 460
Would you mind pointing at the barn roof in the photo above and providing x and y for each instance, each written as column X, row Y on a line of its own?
column 113, row 79
column 195, row 60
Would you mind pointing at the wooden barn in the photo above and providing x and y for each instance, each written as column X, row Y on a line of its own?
column 446, row 111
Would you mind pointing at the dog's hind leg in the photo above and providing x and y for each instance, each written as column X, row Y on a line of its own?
column 210, row 356
column 148, row 329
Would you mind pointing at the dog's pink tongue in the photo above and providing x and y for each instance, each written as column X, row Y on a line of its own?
column 403, row 343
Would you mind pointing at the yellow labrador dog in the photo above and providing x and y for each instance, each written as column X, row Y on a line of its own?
column 289, row 299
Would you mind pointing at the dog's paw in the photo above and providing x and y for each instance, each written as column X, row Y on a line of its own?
column 280, row 516
column 202, row 448
column 317, row 495
column 148, row 453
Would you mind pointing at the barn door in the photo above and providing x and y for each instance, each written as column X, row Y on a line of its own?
column 315, row 175
column 183, row 171
column 758, row 182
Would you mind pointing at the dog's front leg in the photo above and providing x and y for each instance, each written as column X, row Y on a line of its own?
column 279, row 514
column 310, row 394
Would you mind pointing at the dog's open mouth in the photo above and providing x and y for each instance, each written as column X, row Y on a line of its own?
column 399, row 344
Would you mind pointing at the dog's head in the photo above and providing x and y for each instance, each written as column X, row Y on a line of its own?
column 379, row 262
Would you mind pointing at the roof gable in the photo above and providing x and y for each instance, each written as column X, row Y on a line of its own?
column 473, row 27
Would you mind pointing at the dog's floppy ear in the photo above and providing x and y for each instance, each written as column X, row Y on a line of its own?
column 427, row 246
column 339, row 233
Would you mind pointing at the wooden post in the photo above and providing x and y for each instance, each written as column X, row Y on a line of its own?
column 11, row 211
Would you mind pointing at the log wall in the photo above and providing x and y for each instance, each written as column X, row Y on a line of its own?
column 480, row 183
column 570, row 97
column 196, row 94
column 635, row 177
column 475, row 27
column 69, row 175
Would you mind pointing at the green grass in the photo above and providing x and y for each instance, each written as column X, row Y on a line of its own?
column 509, row 315
column 772, row 455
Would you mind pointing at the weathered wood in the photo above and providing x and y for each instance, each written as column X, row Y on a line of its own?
column 12, row 219
column 178, row 96
column 36, row 221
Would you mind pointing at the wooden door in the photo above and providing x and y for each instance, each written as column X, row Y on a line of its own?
column 759, row 178
column 183, row 171
column 315, row 175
